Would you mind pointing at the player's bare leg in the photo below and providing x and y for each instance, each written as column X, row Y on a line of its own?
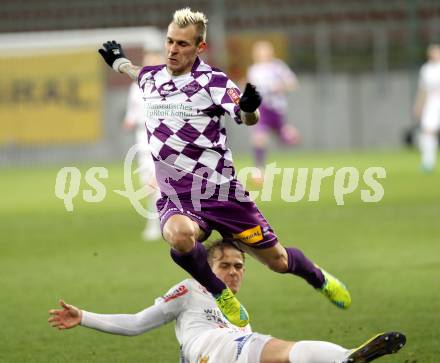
column 293, row 261
column 280, row 351
column 259, row 139
column 289, row 135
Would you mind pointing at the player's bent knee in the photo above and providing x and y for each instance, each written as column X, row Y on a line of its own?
column 181, row 235
column 266, row 349
column 182, row 243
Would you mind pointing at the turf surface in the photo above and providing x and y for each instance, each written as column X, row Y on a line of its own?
column 388, row 253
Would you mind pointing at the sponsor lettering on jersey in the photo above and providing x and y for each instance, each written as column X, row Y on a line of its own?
column 251, row 235
column 233, row 95
column 178, row 292
column 216, row 316
column 240, row 344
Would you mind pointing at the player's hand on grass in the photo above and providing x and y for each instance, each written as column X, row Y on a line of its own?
column 113, row 54
column 250, row 100
column 67, row 317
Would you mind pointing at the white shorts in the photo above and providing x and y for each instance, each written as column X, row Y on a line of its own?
column 226, row 346
column 146, row 167
column 144, row 159
column 431, row 115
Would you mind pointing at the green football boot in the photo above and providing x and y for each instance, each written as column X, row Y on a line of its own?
column 232, row 309
column 378, row 346
column 335, row 291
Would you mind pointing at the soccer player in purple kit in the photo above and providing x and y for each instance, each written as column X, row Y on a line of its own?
column 185, row 105
column 273, row 79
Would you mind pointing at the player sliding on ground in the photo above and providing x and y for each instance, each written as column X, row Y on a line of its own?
column 205, row 336
column 185, row 105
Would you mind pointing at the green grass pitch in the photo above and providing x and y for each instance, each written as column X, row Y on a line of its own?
column 388, row 253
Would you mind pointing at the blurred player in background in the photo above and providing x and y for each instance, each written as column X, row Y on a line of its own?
column 427, row 107
column 185, row 104
column 205, row 336
column 135, row 120
column 274, row 80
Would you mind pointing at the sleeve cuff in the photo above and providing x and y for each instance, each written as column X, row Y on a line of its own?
column 84, row 318
column 119, row 62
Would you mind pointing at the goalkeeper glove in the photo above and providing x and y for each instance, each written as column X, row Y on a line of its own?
column 250, row 99
column 113, row 55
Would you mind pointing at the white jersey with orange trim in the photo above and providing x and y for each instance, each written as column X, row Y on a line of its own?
column 204, row 335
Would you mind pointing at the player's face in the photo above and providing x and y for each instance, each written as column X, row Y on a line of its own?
column 229, row 267
column 182, row 49
column 263, row 52
column 434, row 54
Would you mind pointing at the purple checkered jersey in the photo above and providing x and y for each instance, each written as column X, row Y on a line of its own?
column 185, row 122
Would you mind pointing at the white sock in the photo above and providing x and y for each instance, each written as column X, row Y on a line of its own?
column 308, row 351
column 152, row 199
column 428, row 148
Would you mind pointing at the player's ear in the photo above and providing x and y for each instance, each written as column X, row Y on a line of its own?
column 201, row 47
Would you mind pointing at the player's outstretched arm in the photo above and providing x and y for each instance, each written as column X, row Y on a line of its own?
column 249, row 103
column 114, row 56
column 66, row 318
column 121, row 324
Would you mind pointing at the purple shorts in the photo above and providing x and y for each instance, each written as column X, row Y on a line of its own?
column 232, row 218
column 272, row 120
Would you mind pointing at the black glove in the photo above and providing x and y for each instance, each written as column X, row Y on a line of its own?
column 113, row 55
column 250, row 100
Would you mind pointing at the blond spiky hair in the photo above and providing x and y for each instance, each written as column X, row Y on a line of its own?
column 184, row 17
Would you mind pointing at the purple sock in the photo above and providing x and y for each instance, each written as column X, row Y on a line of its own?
column 259, row 156
column 300, row 265
column 195, row 262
